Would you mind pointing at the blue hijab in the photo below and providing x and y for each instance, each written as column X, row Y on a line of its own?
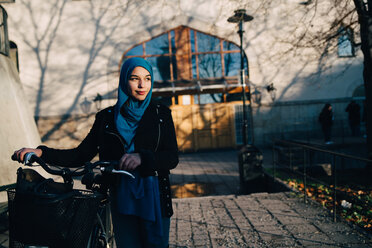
column 139, row 196
column 134, row 109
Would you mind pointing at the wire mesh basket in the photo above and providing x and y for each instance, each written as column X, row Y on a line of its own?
column 52, row 220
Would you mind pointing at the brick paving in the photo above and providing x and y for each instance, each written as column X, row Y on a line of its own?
column 259, row 220
column 226, row 219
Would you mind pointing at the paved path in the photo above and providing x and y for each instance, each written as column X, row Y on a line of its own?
column 258, row 220
column 225, row 219
column 217, row 170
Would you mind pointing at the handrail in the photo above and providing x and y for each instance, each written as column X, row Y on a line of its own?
column 344, row 155
column 306, row 147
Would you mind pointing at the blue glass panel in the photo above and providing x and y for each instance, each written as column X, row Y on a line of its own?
column 246, row 66
column 159, row 45
column 135, row 51
column 193, row 66
column 210, row 66
column 208, row 98
column 173, row 42
column 207, row 43
column 159, row 67
column 174, row 64
column 192, row 40
column 228, row 46
column 232, row 64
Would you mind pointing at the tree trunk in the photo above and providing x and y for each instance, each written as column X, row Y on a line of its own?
column 365, row 21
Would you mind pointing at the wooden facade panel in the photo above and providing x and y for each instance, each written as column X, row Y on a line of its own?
column 183, row 53
column 203, row 118
column 222, row 117
column 183, row 124
column 204, row 139
column 204, row 127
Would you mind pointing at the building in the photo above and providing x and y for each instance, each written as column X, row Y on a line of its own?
column 70, row 52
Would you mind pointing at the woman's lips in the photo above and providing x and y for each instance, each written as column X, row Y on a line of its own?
column 141, row 92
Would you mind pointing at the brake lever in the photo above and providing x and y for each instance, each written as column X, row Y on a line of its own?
column 28, row 160
column 111, row 170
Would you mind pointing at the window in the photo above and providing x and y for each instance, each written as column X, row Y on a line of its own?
column 13, row 53
column 345, row 43
column 4, row 42
column 184, row 53
column 185, row 57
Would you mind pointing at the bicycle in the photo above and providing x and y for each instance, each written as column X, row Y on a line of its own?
column 51, row 214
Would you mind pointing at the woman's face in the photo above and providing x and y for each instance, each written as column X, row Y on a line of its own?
column 139, row 83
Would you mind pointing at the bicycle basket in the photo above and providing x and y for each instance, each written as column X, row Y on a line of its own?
column 53, row 220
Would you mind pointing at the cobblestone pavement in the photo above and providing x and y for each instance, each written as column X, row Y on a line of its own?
column 225, row 219
column 259, row 220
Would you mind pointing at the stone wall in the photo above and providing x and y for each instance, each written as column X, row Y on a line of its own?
column 64, row 132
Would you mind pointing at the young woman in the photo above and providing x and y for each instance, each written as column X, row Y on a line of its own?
column 141, row 136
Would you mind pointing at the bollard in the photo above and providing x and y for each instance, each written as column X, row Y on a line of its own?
column 250, row 170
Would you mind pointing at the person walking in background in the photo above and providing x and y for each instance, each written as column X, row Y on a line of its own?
column 326, row 120
column 354, row 117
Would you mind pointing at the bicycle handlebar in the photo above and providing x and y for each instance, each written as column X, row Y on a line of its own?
column 105, row 166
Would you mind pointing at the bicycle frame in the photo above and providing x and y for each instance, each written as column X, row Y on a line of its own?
column 102, row 234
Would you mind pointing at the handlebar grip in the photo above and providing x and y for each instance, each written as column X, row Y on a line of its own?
column 28, row 158
column 14, row 157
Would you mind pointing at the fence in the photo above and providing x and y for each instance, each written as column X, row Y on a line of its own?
column 308, row 161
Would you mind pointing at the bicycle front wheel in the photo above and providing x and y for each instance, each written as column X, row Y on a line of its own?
column 102, row 235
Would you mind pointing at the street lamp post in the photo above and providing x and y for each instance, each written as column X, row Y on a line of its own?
column 240, row 17
column 250, row 158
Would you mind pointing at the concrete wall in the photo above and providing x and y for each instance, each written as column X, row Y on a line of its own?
column 17, row 125
column 298, row 120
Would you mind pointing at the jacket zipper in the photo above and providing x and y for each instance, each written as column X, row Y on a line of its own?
column 157, row 143
column 118, row 138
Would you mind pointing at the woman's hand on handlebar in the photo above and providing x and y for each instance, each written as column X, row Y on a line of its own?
column 19, row 155
column 129, row 162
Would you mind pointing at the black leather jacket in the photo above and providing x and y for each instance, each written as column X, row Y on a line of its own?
column 155, row 141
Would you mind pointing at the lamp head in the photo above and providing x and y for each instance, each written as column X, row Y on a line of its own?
column 240, row 16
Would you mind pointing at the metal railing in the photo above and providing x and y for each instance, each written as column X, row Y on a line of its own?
column 294, row 148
